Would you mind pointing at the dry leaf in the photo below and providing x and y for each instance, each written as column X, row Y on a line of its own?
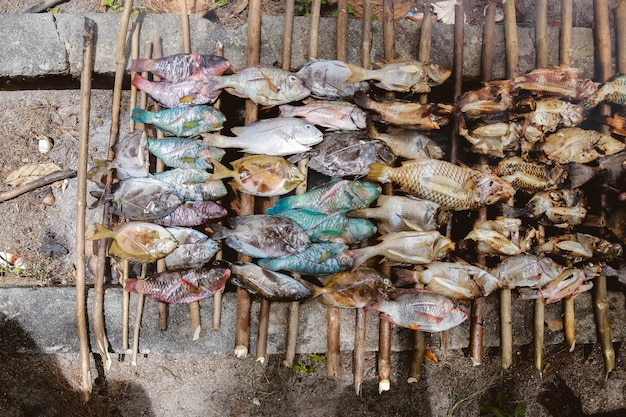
column 30, row 172
column 432, row 356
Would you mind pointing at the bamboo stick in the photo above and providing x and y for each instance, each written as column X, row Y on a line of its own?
column 81, row 209
column 38, row 183
column 102, row 343
column 125, row 306
column 511, row 40
column 602, row 43
column 342, row 30
column 541, row 34
column 565, row 41
column 134, row 54
column 366, row 38
column 620, row 36
column 261, row 341
column 138, row 314
column 316, row 6
column 569, row 324
column 253, row 53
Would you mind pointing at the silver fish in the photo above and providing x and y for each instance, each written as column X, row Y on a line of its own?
column 526, row 271
column 333, row 115
column 408, row 144
column 403, row 76
column 131, row 160
column 263, row 236
column 327, row 80
column 270, row 285
column 180, row 66
column 193, row 184
column 194, row 250
column 278, row 136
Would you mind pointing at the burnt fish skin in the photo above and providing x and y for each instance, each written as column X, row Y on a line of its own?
column 184, row 286
column 141, row 198
column 327, row 79
column 269, row 285
column 263, row 236
column 180, row 66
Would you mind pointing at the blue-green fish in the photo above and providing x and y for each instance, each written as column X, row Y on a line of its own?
column 330, row 197
column 194, row 250
column 193, row 184
column 184, row 152
column 335, row 227
column 182, row 120
column 318, row 259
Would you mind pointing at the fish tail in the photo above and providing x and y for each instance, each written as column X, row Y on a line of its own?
column 98, row 173
column 286, row 110
column 378, row 172
column 219, row 170
column 578, row 174
column 281, row 205
column 404, row 277
column 358, row 74
column 140, row 82
column 359, row 256
column 315, row 290
column 362, row 213
column 213, row 139
column 101, row 233
column 140, row 115
column 515, row 212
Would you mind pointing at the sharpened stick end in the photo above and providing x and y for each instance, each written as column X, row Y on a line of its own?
column 241, row 351
column 384, row 385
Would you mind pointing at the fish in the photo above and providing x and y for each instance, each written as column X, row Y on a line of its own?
column 191, row 90
column 392, row 210
column 264, row 85
column 552, row 113
column 177, row 67
column 428, row 116
column 501, row 236
column 561, row 81
column 182, row 120
column 350, row 289
column 561, row 208
column 495, row 139
column 343, row 154
column 526, row 270
column 327, row 79
column 451, row 186
column 421, row 310
column 334, row 227
column 321, row 258
column 578, row 247
column 269, row 285
column 573, row 144
column 260, row 175
column 131, row 159
column 493, row 98
column 616, row 224
column 262, row 236
column 530, row 177
column 413, row 247
column 195, row 249
column 407, row 144
column 277, row 136
column 616, row 122
column 193, row 184
column 184, row 152
column 569, row 283
column 612, row 91
column 452, row 279
column 402, row 76
column 137, row 241
column 141, row 198
column 333, row 196
column 183, row 286
column 332, row 115
column 193, row 213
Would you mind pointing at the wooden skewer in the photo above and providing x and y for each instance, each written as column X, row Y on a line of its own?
column 541, row 34
column 620, row 36
column 569, row 323
column 81, row 209
column 602, row 41
column 125, row 306
column 384, row 327
column 138, row 314
column 253, row 54
column 102, row 343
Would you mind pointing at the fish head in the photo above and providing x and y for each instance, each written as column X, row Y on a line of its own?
column 291, row 88
column 213, row 117
column 492, row 189
column 442, row 247
column 437, row 74
column 365, row 191
column 165, row 245
column 307, row 134
column 457, row 314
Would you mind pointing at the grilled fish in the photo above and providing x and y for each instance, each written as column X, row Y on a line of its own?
column 577, row 247
column 569, row 283
column 407, row 113
column 529, row 177
column 327, row 79
column 526, row 271
column 408, row 144
column 560, row 81
column 193, row 184
column 322, row 258
column 191, row 90
column 269, row 285
column 180, row 66
column 194, row 249
column 559, row 208
column 402, row 76
column 333, row 115
column 573, row 144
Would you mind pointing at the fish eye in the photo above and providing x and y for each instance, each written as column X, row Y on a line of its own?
column 292, row 78
column 308, row 127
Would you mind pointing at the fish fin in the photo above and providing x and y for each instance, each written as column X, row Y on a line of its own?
column 98, row 173
column 315, row 289
column 358, row 73
column 190, row 287
column 280, row 205
column 185, row 99
column 571, row 246
column 139, row 115
column 378, row 172
column 139, row 65
column 235, row 93
column 214, row 139
column 414, row 259
column 270, row 83
column 578, row 174
column 101, row 233
column 131, row 285
column 219, row 231
column 191, row 124
column 359, row 256
column 286, row 110
column 140, row 82
column 100, row 199
column 362, row 100
column 219, row 171
column 414, row 327
column 412, row 225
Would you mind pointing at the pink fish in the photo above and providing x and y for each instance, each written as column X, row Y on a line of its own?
column 191, row 90
column 180, row 66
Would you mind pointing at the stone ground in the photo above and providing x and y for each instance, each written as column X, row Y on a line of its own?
column 573, row 384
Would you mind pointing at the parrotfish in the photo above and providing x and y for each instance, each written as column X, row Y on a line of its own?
column 191, row 90
column 193, row 213
column 193, row 184
column 194, row 249
column 270, row 285
column 184, row 286
column 263, row 236
column 421, row 310
column 451, row 186
column 131, row 160
column 278, row 136
column 182, row 120
column 138, row 241
column 334, row 227
column 180, row 66
column 318, row 259
column 327, row 79
column 184, row 152
column 338, row 195
column 142, row 198
column 260, row 175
